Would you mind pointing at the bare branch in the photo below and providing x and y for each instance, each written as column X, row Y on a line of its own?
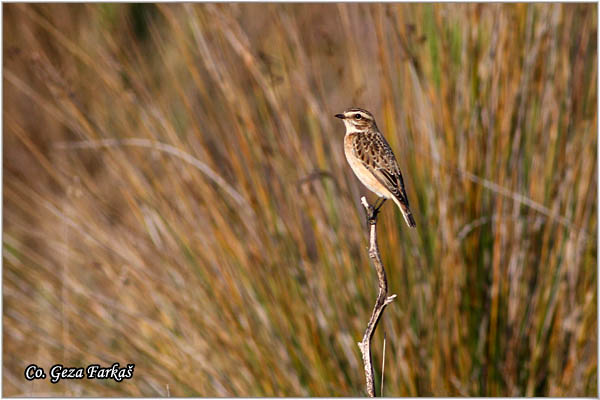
column 382, row 298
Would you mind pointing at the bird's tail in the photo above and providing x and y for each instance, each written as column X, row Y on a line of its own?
column 410, row 221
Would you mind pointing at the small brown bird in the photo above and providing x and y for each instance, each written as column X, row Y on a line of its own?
column 373, row 160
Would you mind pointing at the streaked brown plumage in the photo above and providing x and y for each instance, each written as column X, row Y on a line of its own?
column 372, row 159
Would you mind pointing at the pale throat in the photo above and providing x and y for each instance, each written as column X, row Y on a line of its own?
column 351, row 128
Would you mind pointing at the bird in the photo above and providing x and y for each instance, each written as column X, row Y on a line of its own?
column 372, row 160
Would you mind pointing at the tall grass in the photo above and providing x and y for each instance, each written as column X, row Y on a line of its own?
column 176, row 196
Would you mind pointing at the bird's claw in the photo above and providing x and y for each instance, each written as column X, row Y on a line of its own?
column 372, row 216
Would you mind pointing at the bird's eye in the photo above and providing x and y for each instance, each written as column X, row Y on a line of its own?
column 357, row 116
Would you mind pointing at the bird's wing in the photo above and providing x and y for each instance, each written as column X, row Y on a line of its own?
column 377, row 156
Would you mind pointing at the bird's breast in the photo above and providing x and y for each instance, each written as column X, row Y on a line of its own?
column 359, row 169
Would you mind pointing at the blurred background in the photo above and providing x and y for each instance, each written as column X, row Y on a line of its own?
column 176, row 196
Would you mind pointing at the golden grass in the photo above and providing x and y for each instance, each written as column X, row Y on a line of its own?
column 176, row 196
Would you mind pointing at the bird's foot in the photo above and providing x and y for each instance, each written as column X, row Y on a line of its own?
column 372, row 215
column 372, row 210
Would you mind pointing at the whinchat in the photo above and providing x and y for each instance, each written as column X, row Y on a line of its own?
column 373, row 160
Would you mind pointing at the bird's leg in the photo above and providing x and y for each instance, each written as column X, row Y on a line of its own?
column 375, row 210
column 377, row 207
column 376, row 202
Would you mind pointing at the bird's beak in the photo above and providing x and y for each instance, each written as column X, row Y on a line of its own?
column 340, row 116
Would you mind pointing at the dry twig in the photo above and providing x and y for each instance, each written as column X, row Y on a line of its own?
column 382, row 298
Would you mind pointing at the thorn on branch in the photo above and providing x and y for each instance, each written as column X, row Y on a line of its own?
column 390, row 299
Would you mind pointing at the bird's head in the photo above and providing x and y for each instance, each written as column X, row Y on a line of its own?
column 357, row 119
